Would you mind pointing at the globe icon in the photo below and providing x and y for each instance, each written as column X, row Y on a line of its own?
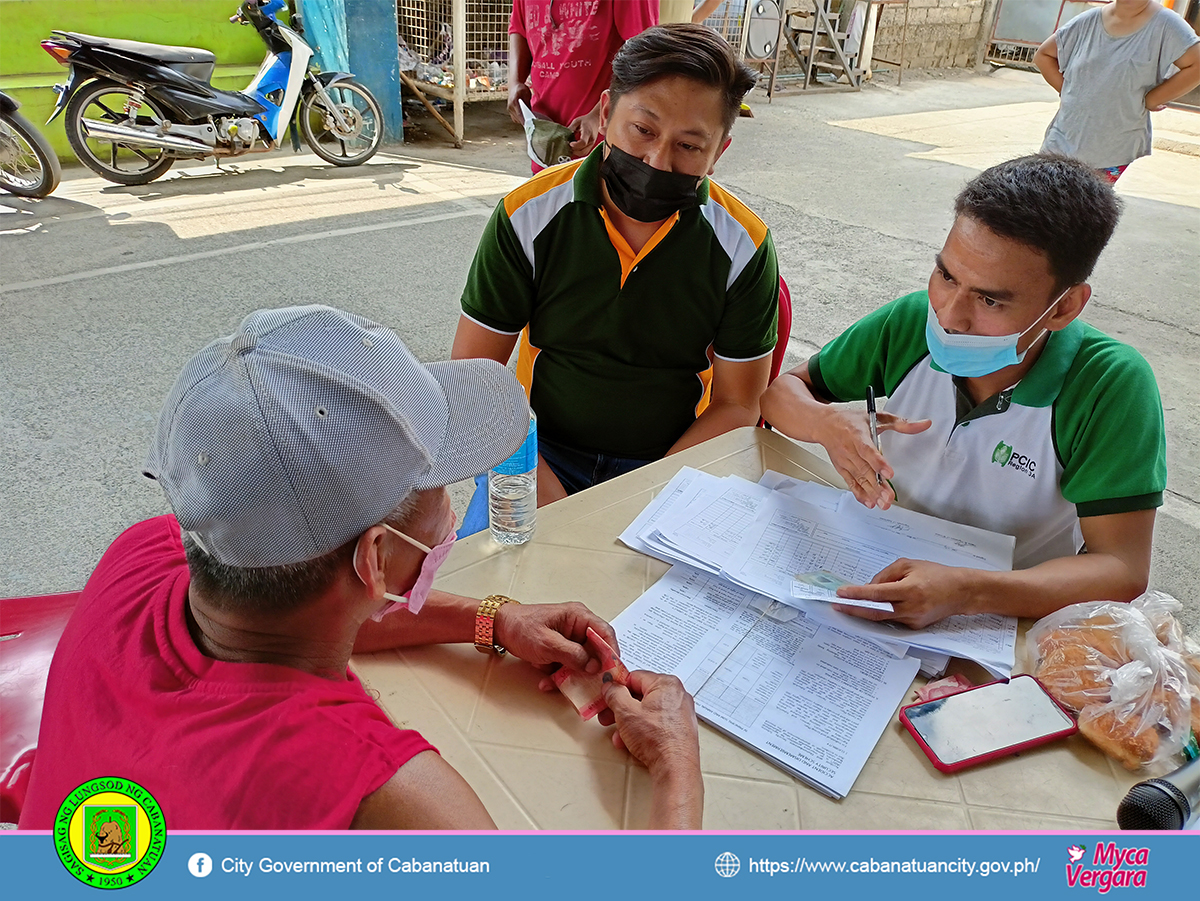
column 728, row 864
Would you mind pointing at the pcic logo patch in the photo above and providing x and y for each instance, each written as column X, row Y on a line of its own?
column 110, row 833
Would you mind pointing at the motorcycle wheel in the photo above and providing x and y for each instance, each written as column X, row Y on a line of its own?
column 126, row 164
column 353, row 144
column 28, row 166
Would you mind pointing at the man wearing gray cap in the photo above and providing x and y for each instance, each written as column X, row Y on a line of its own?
column 305, row 459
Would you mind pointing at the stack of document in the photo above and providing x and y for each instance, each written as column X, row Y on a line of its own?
column 810, row 697
column 795, row 541
column 744, row 615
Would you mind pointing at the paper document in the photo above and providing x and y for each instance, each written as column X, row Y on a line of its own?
column 771, row 536
column 637, row 534
column 811, row 697
column 708, row 521
column 791, row 536
column 813, row 492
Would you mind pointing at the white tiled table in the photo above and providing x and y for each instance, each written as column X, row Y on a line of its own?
column 536, row 765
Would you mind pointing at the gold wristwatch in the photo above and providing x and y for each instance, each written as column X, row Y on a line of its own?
column 485, row 624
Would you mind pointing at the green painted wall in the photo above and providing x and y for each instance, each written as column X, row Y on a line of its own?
column 27, row 71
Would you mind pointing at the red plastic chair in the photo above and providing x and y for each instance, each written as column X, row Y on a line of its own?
column 29, row 632
column 785, row 330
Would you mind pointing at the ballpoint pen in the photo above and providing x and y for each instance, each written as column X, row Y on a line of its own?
column 873, row 424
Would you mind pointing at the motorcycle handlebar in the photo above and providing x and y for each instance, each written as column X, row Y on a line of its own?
column 240, row 17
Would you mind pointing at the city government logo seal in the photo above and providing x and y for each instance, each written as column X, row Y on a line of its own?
column 110, row 833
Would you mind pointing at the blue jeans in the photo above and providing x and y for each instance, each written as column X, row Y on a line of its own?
column 576, row 470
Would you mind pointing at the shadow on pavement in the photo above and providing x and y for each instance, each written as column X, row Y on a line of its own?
column 209, row 179
column 24, row 215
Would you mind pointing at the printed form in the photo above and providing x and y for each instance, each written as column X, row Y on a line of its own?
column 810, row 696
column 790, row 536
column 794, row 541
column 708, row 521
column 641, row 533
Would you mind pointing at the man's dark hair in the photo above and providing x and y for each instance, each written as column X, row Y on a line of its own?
column 276, row 589
column 693, row 51
column 1054, row 204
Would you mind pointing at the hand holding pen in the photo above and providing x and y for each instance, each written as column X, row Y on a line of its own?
column 873, row 425
column 860, row 463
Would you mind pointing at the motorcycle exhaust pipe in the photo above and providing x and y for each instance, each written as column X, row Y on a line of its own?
column 120, row 134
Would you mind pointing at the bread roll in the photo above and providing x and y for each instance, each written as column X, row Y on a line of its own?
column 1126, row 741
column 1075, row 676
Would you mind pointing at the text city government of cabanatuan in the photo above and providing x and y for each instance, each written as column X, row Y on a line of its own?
column 392, row 865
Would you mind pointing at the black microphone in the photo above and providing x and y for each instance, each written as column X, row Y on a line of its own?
column 1166, row 803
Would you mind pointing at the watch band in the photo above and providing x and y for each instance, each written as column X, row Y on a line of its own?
column 485, row 624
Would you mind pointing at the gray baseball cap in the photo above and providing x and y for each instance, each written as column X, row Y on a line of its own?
column 308, row 425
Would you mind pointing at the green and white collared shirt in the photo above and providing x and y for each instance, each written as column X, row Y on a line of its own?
column 1081, row 435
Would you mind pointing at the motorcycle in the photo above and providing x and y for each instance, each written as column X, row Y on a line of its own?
column 132, row 108
column 28, row 166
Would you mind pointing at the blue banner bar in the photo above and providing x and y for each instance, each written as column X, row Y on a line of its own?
column 625, row 866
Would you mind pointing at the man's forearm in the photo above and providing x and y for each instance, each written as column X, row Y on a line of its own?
column 704, row 10
column 791, row 408
column 1050, row 586
column 717, row 419
column 445, row 619
column 520, row 59
column 677, row 799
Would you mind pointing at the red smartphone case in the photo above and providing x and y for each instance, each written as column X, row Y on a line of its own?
column 991, row 755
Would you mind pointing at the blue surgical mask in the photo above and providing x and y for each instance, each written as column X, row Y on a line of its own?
column 971, row 356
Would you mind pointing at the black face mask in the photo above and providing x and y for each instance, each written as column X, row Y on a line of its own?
column 644, row 193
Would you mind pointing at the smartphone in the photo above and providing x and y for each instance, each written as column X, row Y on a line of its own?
column 986, row 722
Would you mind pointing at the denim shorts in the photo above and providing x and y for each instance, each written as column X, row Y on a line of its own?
column 578, row 469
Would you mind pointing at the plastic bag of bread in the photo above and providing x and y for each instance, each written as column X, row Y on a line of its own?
column 1191, row 660
column 1133, row 693
column 1161, row 610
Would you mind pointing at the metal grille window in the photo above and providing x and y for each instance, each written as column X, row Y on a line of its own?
column 456, row 50
column 727, row 21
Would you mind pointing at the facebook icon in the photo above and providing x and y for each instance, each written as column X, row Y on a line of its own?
column 200, row 865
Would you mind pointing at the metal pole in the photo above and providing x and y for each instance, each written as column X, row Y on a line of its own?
column 866, row 52
column 459, row 35
column 745, row 30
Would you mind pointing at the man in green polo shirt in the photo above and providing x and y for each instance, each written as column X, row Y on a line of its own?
column 1004, row 410
column 645, row 295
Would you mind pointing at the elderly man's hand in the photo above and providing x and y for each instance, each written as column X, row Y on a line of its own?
column 656, row 721
column 547, row 635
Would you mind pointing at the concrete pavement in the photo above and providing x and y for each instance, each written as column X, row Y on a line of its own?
column 105, row 290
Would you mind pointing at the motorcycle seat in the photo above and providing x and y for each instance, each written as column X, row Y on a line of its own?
column 161, row 52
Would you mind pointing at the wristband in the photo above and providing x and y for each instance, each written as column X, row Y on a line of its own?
column 485, row 624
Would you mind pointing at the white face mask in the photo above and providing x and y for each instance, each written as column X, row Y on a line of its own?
column 971, row 356
column 414, row 600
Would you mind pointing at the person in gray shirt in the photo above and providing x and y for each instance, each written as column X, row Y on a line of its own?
column 1112, row 66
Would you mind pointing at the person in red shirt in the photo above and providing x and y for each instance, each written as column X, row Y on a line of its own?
column 560, row 56
column 305, row 458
